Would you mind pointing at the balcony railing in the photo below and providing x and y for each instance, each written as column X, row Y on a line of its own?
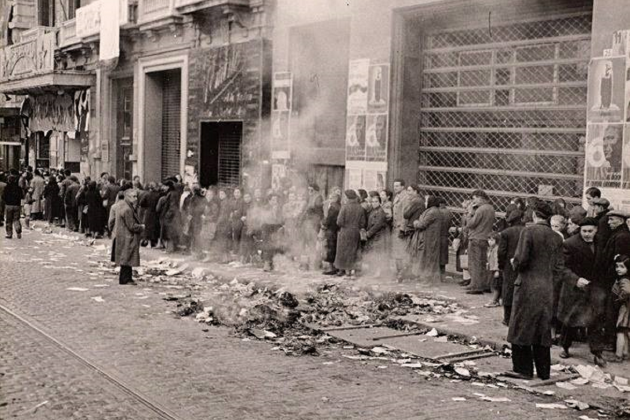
column 33, row 56
column 68, row 33
column 152, row 10
column 209, row 3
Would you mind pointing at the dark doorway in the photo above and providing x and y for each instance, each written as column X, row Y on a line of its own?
column 124, row 128
column 220, row 156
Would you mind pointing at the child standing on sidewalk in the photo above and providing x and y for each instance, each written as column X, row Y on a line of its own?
column 621, row 289
column 493, row 269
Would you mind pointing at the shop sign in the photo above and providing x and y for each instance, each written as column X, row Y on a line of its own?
column 27, row 58
column 52, row 112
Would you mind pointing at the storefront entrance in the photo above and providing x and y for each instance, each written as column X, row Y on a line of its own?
column 220, row 158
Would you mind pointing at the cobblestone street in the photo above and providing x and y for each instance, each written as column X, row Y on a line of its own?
column 75, row 345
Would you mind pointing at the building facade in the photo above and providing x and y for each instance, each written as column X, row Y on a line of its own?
column 454, row 95
column 185, row 93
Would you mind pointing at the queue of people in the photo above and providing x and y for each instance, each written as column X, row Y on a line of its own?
column 559, row 273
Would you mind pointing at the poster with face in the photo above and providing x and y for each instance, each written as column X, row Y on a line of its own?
column 282, row 95
column 378, row 92
column 606, row 82
column 604, row 145
column 280, row 130
column 355, row 137
column 358, row 86
column 376, row 138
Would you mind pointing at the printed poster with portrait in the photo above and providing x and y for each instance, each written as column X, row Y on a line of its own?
column 281, row 114
column 376, row 138
column 606, row 89
column 604, row 155
column 355, row 137
column 358, row 76
column 378, row 92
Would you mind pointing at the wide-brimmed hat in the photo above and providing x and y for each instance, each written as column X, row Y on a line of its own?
column 619, row 213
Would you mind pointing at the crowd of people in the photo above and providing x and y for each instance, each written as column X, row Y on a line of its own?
column 559, row 272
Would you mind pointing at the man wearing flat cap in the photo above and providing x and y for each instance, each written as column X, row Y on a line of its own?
column 538, row 262
column 602, row 333
column 574, row 310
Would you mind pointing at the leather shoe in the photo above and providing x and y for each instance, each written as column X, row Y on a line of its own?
column 474, row 292
column 515, row 375
column 564, row 354
column 599, row 361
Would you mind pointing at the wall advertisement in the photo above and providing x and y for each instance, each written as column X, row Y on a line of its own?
column 281, row 115
column 607, row 149
column 367, row 124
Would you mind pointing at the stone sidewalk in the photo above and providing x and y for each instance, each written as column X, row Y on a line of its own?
column 480, row 324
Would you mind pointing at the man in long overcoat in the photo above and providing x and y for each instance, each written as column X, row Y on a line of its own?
column 480, row 224
column 507, row 249
column 127, row 230
column 574, row 310
column 538, row 261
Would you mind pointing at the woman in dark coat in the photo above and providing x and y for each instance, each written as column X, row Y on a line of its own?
column 538, row 261
column 350, row 221
column 95, row 210
column 376, row 228
column 424, row 244
column 148, row 203
column 447, row 217
column 330, row 231
column 53, row 201
column 127, row 230
column 170, row 217
column 507, row 248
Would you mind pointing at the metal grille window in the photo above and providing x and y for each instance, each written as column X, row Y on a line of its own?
column 230, row 159
column 505, row 110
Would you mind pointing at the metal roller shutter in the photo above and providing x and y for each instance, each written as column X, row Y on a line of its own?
column 505, row 110
column 230, row 158
column 171, row 113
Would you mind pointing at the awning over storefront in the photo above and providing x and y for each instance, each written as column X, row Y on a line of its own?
column 50, row 82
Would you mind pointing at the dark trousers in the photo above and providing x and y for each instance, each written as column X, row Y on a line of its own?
column 569, row 334
column 12, row 216
column 507, row 314
column 601, row 331
column 72, row 218
column 525, row 357
column 126, row 274
column 477, row 259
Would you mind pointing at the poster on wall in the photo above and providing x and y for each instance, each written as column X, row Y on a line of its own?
column 280, row 134
column 378, row 92
column 606, row 90
column 355, row 178
column 281, row 114
column 358, row 87
column 278, row 173
column 376, row 138
column 355, row 137
column 604, row 151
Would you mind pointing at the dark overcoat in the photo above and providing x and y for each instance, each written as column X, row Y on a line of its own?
column 446, row 224
column 507, row 249
column 538, row 261
column 127, row 230
column 376, row 231
column 351, row 220
column 148, row 202
column 579, row 261
column 424, row 245
column 331, row 229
